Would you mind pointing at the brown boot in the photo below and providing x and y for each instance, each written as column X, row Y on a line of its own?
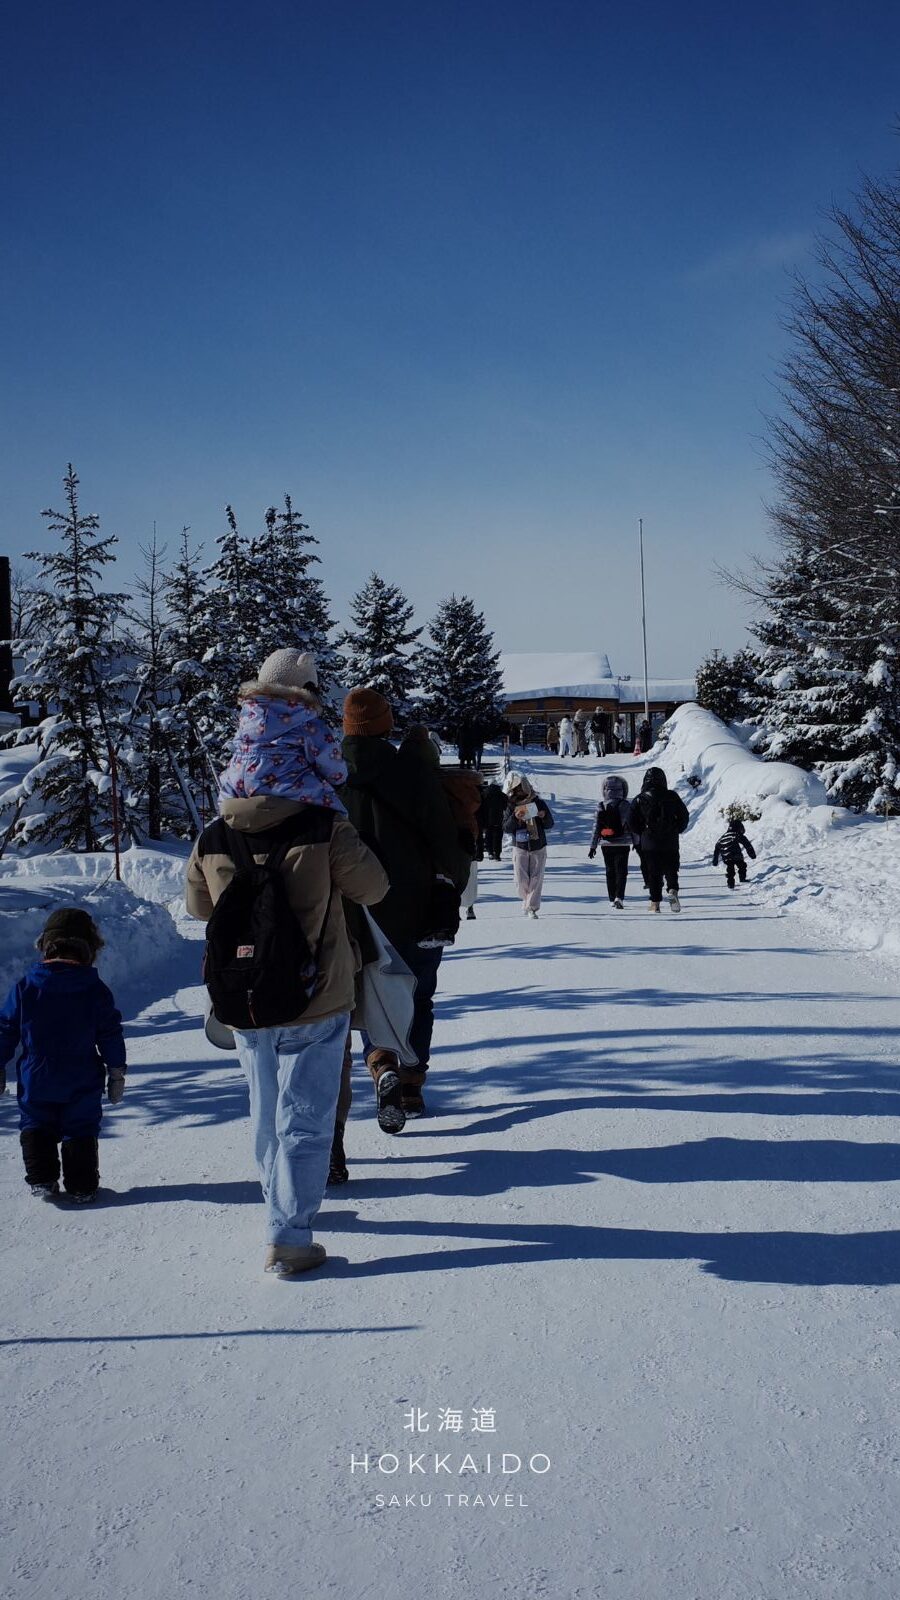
column 285, row 1260
column 384, row 1067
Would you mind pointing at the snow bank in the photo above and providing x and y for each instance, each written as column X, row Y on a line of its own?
column 145, row 954
column 713, row 768
column 838, row 869
column 152, row 872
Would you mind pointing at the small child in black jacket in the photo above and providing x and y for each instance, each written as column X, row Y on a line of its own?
column 730, row 849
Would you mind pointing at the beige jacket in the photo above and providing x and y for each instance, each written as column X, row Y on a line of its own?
column 312, row 869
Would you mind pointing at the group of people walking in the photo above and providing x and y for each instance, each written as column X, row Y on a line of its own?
column 321, row 844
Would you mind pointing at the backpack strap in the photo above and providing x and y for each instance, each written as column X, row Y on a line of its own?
column 237, row 847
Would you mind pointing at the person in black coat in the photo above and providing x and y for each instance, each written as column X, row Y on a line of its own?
column 612, row 831
column 730, row 849
column 398, row 806
column 658, row 818
column 493, row 808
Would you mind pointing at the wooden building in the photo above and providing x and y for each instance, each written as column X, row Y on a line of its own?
column 543, row 687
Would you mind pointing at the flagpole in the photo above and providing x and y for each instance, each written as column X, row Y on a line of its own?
column 644, row 621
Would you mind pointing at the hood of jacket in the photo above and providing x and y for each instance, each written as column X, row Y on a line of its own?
column 654, row 781
column 614, row 789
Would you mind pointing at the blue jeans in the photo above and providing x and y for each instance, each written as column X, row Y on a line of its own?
column 294, row 1075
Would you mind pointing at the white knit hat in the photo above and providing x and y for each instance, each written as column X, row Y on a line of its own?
column 288, row 669
column 511, row 782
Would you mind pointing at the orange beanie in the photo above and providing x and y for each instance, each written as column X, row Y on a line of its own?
column 367, row 712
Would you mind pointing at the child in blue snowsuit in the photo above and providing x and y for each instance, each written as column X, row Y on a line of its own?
column 72, row 1047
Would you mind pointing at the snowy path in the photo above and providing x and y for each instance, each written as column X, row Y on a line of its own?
column 652, row 1225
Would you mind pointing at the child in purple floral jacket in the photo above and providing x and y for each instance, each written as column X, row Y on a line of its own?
column 283, row 745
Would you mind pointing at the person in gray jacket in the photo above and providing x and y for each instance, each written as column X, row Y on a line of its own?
column 613, row 834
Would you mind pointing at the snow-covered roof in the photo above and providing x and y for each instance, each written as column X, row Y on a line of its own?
column 584, row 674
column 564, row 672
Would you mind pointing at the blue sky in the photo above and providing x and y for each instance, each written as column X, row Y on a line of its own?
column 479, row 284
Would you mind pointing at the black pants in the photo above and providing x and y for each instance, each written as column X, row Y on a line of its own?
column 615, row 860
column 493, row 840
column 80, row 1160
column 741, row 872
column 659, row 866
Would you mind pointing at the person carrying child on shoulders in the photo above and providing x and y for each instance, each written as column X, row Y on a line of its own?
column 72, row 1048
column 730, row 849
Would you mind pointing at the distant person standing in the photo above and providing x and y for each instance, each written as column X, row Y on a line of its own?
column 644, row 741
column 580, row 726
column 493, row 806
column 619, row 735
column 658, row 818
column 566, row 737
column 598, row 731
column 552, row 738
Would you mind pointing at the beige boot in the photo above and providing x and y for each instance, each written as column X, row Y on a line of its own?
column 288, row 1259
column 654, row 905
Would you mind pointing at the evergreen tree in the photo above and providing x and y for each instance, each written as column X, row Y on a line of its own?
column 229, row 623
column 459, row 674
column 830, row 606
column 293, row 608
column 377, row 645
column 716, row 688
column 74, row 667
column 185, row 643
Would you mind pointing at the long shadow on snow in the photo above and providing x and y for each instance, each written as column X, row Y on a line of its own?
column 218, row 1334
column 486, row 1172
column 789, row 1258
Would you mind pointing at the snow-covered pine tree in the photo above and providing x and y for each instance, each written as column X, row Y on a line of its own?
column 716, row 688
column 185, row 642
column 231, row 618
column 161, row 794
column 833, row 698
column 74, row 665
column 294, row 612
column 459, row 673
column 377, row 645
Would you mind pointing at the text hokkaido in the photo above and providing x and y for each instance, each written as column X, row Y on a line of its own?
column 508, row 1463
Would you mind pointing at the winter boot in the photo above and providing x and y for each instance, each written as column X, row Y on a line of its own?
column 384, row 1065
column 81, row 1197
column 619, row 905
column 286, row 1260
column 654, row 905
column 80, row 1167
column 413, row 1101
column 470, row 914
column 337, row 1168
column 674, row 901
column 45, row 1191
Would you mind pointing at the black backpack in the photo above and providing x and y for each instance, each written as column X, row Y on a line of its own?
column 258, row 967
column 610, row 817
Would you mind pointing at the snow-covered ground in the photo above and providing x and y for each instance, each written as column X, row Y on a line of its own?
column 649, row 1226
